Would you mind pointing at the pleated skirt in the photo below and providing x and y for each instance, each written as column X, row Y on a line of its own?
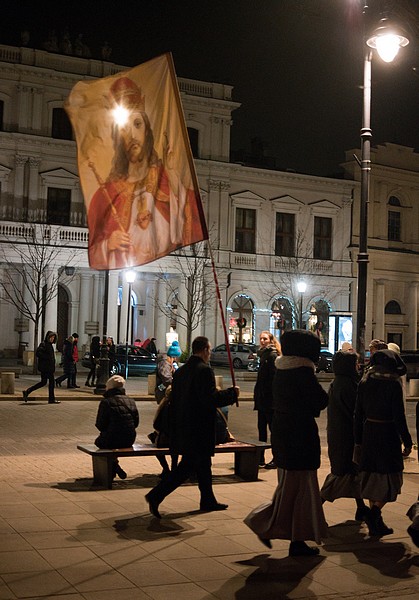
column 341, row 486
column 295, row 512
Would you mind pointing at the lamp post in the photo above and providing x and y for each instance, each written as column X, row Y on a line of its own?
column 130, row 278
column 387, row 40
column 103, row 367
column 301, row 287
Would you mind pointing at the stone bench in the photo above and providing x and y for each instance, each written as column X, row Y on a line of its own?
column 247, row 456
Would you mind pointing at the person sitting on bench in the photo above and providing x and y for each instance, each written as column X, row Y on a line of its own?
column 117, row 419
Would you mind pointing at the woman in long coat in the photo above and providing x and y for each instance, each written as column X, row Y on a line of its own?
column 68, row 363
column 296, row 512
column 269, row 351
column 343, row 480
column 380, row 424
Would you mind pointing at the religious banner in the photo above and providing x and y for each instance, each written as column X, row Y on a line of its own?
column 135, row 165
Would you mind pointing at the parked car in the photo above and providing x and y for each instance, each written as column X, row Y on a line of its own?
column 411, row 360
column 239, row 354
column 325, row 364
column 140, row 361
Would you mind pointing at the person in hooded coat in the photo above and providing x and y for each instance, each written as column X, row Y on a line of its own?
column 295, row 512
column 268, row 352
column 380, row 429
column 343, row 480
column 117, row 419
column 45, row 356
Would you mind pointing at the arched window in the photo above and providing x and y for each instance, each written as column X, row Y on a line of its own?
column 393, row 308
column 281, row 316
column 241, row 327
column 394, row 220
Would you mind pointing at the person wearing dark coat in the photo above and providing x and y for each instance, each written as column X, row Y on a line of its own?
column 68, row 363
column 152, row 348
column 343, row 480
column 194, row 402
column 117, row 419
column 380, row 428
column 268, row 352
column 295, row 512
column 94, row 356
column 45, row 355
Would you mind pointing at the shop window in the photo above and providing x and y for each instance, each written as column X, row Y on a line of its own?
column 281, row 317
column 241, row 321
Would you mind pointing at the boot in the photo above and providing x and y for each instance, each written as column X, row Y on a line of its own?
column 376, row 525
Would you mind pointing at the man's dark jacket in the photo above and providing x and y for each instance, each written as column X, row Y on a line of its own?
column 45, row 355
column 193, row 405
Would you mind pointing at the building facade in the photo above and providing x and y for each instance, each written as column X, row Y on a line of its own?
column 270, row 230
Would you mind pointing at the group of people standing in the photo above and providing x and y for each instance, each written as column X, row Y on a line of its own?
column 367, row 437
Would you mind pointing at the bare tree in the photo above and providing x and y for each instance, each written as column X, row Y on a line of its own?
column 291, row 270
column 30, row 271
column 193, row 269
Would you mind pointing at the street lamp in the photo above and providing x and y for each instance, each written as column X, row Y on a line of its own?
column 387, row 40
column 130, row 278
column 301, row 287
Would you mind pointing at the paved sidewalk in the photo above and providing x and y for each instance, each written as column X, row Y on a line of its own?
column 63, row 539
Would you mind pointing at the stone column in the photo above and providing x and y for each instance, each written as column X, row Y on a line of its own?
column 85, row 297
column 19, row 182
column 51, row 308
column 123, row 315
column 161, row 325
column 33, row 190
column 113, row 304
column 95, row 298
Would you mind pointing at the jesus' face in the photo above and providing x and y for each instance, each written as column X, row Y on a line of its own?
column 133, row 136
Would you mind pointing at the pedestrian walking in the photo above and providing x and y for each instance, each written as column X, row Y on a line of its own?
column 380, row 424
column 268, row 352
column 67, row 362
column 343, row 480
column 75, row 359
column 94, row 356
column 45, row 356
column 295, row 512
column 194, row 401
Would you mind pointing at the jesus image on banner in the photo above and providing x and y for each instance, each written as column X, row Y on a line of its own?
column 141, row 210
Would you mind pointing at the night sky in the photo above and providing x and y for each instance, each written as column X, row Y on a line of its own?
column 296, row 65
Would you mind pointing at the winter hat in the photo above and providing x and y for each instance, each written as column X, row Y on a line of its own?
column 116, row 381
column 299, row 342
column 174, row 350
column 387, row 361
column 394, row 347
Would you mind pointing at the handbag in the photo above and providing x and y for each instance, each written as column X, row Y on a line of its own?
column 223, row 434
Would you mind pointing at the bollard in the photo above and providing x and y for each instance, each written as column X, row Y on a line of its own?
column 7, row 383
column 151, row 384
column 414, row 388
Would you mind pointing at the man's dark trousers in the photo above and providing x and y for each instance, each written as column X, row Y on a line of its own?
column 189, row 464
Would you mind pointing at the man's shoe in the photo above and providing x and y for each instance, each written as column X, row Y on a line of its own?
column 414, row 534
column 25, row 395
column 54, row 402
column 153, row 506
column 120, row 472
column 75, row 386
column 57, row 383
column 213, row 507
column 87, row 384
column 270, row 465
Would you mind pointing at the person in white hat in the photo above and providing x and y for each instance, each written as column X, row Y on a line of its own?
column 117, row 419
